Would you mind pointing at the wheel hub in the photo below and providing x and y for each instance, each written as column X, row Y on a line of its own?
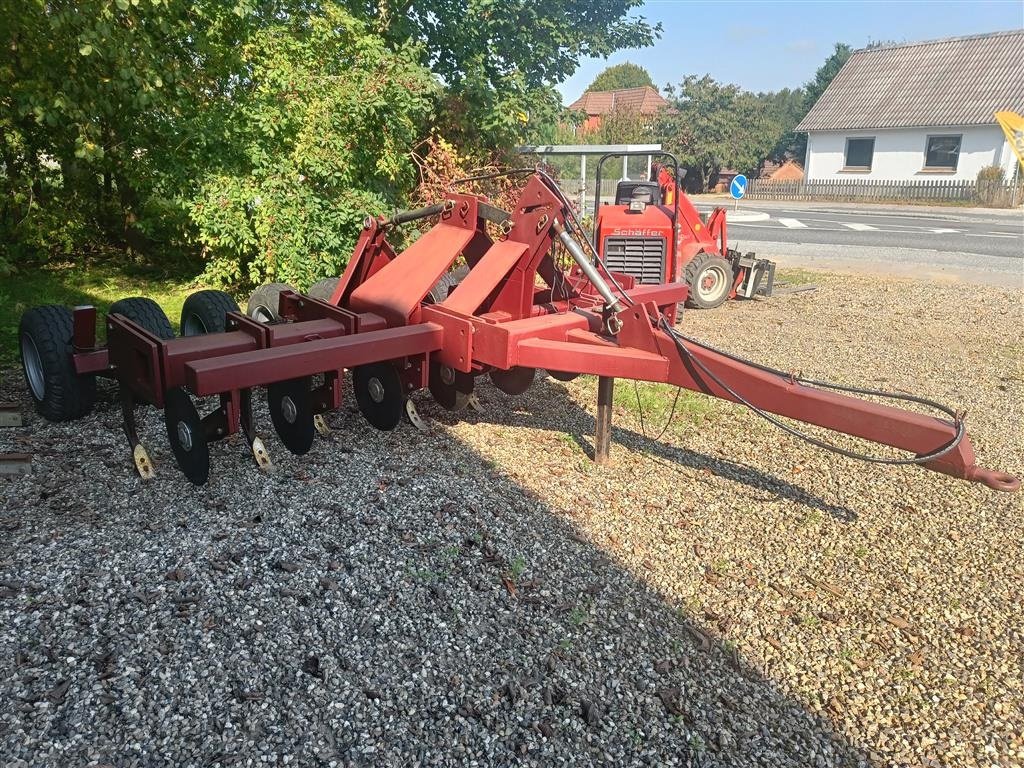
column 184, row 436
column 375, row 389
column 288, row 409
column 33, row 367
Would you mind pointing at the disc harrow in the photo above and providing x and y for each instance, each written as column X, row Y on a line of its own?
column 401, row 322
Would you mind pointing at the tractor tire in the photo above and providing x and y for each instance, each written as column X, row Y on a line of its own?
column 446, row 285
column 323, row 289
column 204, row 312
column 264, row 303
column 59, row 393
column 146, row 314
column 710, row 279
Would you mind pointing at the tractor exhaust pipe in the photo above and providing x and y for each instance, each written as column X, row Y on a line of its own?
column 611, row 301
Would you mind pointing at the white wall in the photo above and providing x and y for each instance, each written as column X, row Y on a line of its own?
column 899, row 153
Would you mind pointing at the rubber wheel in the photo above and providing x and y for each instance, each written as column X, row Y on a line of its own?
column 264, row 302
column 446, row 285
column 710, row 279
column 291, row 410
column 323, row 289
column 514, row 381
column 204, row 312
column 45, row 339
column 187, row 436
column 146, row 314
column 378, row 389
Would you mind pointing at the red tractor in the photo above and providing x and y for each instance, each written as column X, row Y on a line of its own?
column 653, row 233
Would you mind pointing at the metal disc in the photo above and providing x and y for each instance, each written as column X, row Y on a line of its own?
column 187, row 436
column 514, row 381
column 450, row 388
column 562, row 375
column 379, row 394
column 291, row 411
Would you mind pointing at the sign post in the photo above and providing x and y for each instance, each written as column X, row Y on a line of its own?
column 738, row 188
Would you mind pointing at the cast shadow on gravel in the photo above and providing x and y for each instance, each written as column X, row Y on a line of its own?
column 547, row 405
column 412, row 614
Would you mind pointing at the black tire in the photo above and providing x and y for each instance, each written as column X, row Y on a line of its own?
column 45, row 336
column 203, row 312
column 323, row 289
column 146, row 314
column 264, row 302
column 710, row 278
column 446, row 285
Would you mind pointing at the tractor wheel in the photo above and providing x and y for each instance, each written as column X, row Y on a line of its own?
column 204, row 312
column 45, row 336
column 146, row 314
column 323, row 289
column 446, row 285
column 264, row 303
column 710, row 279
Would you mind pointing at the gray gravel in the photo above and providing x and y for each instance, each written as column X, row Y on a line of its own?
column 484, row 595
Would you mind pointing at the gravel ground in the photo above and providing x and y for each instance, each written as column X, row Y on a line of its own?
column 483, row 595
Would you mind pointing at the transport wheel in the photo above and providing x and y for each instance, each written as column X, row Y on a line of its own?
column 450, row 388
column 145, row 313
column 323, row 289
column 446, row 285
column 264, row 302
column 379, row 394
column 291, row 411
column 45, row 338
column 203, row 312
column 187, row 436
column 514, row 381
column 562, row 375
column 710, row 280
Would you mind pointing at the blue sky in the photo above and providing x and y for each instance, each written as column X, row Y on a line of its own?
column 767, row 46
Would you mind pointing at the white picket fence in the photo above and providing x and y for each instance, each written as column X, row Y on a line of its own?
column 987, row 193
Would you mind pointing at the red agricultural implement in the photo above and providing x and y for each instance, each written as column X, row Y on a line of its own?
column 400, row 322
column 652, row 232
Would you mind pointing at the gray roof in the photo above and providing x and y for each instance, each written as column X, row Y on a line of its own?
column 951, row 82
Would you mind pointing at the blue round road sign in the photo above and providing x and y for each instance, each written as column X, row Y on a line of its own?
column 738, row 188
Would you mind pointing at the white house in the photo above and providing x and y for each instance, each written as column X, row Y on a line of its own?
column 918, row 111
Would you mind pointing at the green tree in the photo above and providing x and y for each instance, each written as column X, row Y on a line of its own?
column 627, row 75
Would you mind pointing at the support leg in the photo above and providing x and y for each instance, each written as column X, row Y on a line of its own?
column 603, row 434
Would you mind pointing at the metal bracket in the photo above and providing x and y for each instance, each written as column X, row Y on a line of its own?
column 475, row 404
column 259, row 452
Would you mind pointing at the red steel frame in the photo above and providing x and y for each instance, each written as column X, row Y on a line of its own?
column 498, row 317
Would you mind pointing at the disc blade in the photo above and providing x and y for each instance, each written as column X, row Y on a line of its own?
column 187, row 436
column 450, row 388
column 514, row 381
column 291, row 411
column 379, row 393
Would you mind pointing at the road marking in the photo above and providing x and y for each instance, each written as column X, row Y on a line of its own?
column 945, row 231
column 996, row 234
column 858, row 227
column 792, row 223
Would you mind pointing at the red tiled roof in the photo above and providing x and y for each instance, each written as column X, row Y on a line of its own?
column 644, row 100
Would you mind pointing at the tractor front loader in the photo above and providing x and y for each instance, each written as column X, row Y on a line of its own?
column 533, row 296
column 652, row 232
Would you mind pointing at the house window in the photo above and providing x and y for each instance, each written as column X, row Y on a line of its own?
column 941, row 153
column 859, row 153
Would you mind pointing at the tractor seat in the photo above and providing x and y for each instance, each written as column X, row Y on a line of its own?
column 645, row 191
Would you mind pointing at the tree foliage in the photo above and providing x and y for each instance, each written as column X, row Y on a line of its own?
column 258, row 132
column 626, row 75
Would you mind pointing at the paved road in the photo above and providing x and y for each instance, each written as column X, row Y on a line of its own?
column 977, row 246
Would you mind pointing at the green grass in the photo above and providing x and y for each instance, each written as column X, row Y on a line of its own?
column 793, row 276
column 96, row 281
column 655, row 402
